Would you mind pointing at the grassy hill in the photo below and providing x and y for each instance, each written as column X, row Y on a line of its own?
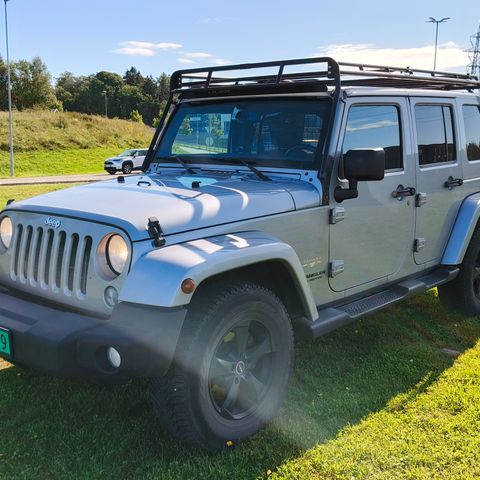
column 47, row 143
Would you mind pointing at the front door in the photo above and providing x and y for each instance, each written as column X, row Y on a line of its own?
column 439, row 176
column 375, row 238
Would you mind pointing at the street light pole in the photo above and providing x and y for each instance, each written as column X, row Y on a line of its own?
column 9, row 89
column 106, row 103
column 436, row 22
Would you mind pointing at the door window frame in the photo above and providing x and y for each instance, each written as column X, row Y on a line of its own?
column 368, row 102
column 439, row 103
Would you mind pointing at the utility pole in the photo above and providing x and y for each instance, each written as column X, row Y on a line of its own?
column 474, row 67
column 9, row 89
column 106, row 103
column 436, row 22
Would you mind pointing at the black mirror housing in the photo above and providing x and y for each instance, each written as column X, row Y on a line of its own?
column 361, row 165
column 364, row 164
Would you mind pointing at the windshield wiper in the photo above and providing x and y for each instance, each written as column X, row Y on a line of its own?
column 180, row 160
column 237, row 160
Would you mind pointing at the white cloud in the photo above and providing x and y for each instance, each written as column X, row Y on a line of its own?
column 145, row 49
column 221, row 61
column 194, row 55
column 449, row 55
column 369, row 126
column 215, row 20
column 185, row 60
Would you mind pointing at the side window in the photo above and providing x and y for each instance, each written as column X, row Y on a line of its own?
column 375, row 126
column 471, row 119
column 435, row 134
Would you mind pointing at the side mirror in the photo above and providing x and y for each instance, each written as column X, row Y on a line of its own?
column 361, row 165
column 364, row 165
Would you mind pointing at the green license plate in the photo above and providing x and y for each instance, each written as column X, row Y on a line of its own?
column 5, row 342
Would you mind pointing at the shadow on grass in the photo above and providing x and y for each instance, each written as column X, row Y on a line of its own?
column 73, row 430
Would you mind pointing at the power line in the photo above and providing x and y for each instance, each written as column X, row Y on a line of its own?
column 474, row 67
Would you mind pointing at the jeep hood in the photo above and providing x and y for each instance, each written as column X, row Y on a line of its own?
column 219, row 199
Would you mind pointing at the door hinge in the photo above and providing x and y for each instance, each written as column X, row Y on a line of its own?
column 337, row 214
column 418, row 244
column 336, row 268
column 420, row 199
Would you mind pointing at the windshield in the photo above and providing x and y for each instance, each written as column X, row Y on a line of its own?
column 127, row 153
column 272, row 132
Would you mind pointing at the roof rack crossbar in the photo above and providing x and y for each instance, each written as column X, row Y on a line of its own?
column 207, row 74
column 335, row 73
column 409, row 70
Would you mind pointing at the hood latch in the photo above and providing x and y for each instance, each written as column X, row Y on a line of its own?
column 155, row 232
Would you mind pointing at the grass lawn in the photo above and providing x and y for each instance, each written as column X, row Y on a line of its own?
column 57, row 162
column 377, row 399
column 19, row 192
column 47, row 143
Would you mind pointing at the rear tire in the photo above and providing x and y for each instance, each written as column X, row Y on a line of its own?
column 231, row 369
column 463, row 293
column 127, row 168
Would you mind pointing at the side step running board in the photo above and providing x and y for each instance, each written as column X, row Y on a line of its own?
column 335, row 317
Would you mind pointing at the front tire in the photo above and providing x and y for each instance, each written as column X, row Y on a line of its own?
column 231, row 369
column 463, row 293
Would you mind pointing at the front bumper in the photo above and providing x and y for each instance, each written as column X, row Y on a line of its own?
column 68, row 344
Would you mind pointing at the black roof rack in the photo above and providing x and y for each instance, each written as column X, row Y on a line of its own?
column 333, row 73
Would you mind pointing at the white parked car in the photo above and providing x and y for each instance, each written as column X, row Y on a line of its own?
column 126, row 162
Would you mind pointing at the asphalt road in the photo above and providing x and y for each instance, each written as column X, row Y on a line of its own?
column 94, row 177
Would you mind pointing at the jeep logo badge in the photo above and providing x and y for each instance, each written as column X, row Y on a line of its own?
column 52, row 222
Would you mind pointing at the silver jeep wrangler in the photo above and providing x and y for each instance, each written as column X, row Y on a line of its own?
column 292, row 194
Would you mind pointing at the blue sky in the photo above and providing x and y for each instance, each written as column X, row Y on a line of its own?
column 155, row 36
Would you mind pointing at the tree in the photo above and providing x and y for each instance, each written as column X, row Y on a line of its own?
column 133, row 77
column 31, row 85
column 185, row 127
column 135, row 116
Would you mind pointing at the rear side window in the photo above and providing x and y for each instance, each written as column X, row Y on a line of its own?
column 435, row 134
column 375, row 126
column 471, row 119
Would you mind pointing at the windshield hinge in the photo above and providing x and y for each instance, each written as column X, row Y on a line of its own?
column 155, row 232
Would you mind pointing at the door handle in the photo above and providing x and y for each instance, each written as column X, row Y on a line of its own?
column 402, row 191
column 453, row 182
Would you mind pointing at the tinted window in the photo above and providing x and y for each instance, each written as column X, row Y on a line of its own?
column 435, row 136
column 375, row 126
column 471, row 117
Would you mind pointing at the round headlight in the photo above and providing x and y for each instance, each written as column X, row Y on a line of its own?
column 117, row 254
column 6, row 232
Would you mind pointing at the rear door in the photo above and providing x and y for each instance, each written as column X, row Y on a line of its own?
column 374, row 239
column 439, row 176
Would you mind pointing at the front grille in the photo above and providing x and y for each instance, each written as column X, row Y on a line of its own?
column 51, row 260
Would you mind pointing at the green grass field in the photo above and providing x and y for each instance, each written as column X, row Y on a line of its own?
column 378, row 399
column 47, row 143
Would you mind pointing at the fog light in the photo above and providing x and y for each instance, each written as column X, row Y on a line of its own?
column 111, row 296
column 114, row 357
